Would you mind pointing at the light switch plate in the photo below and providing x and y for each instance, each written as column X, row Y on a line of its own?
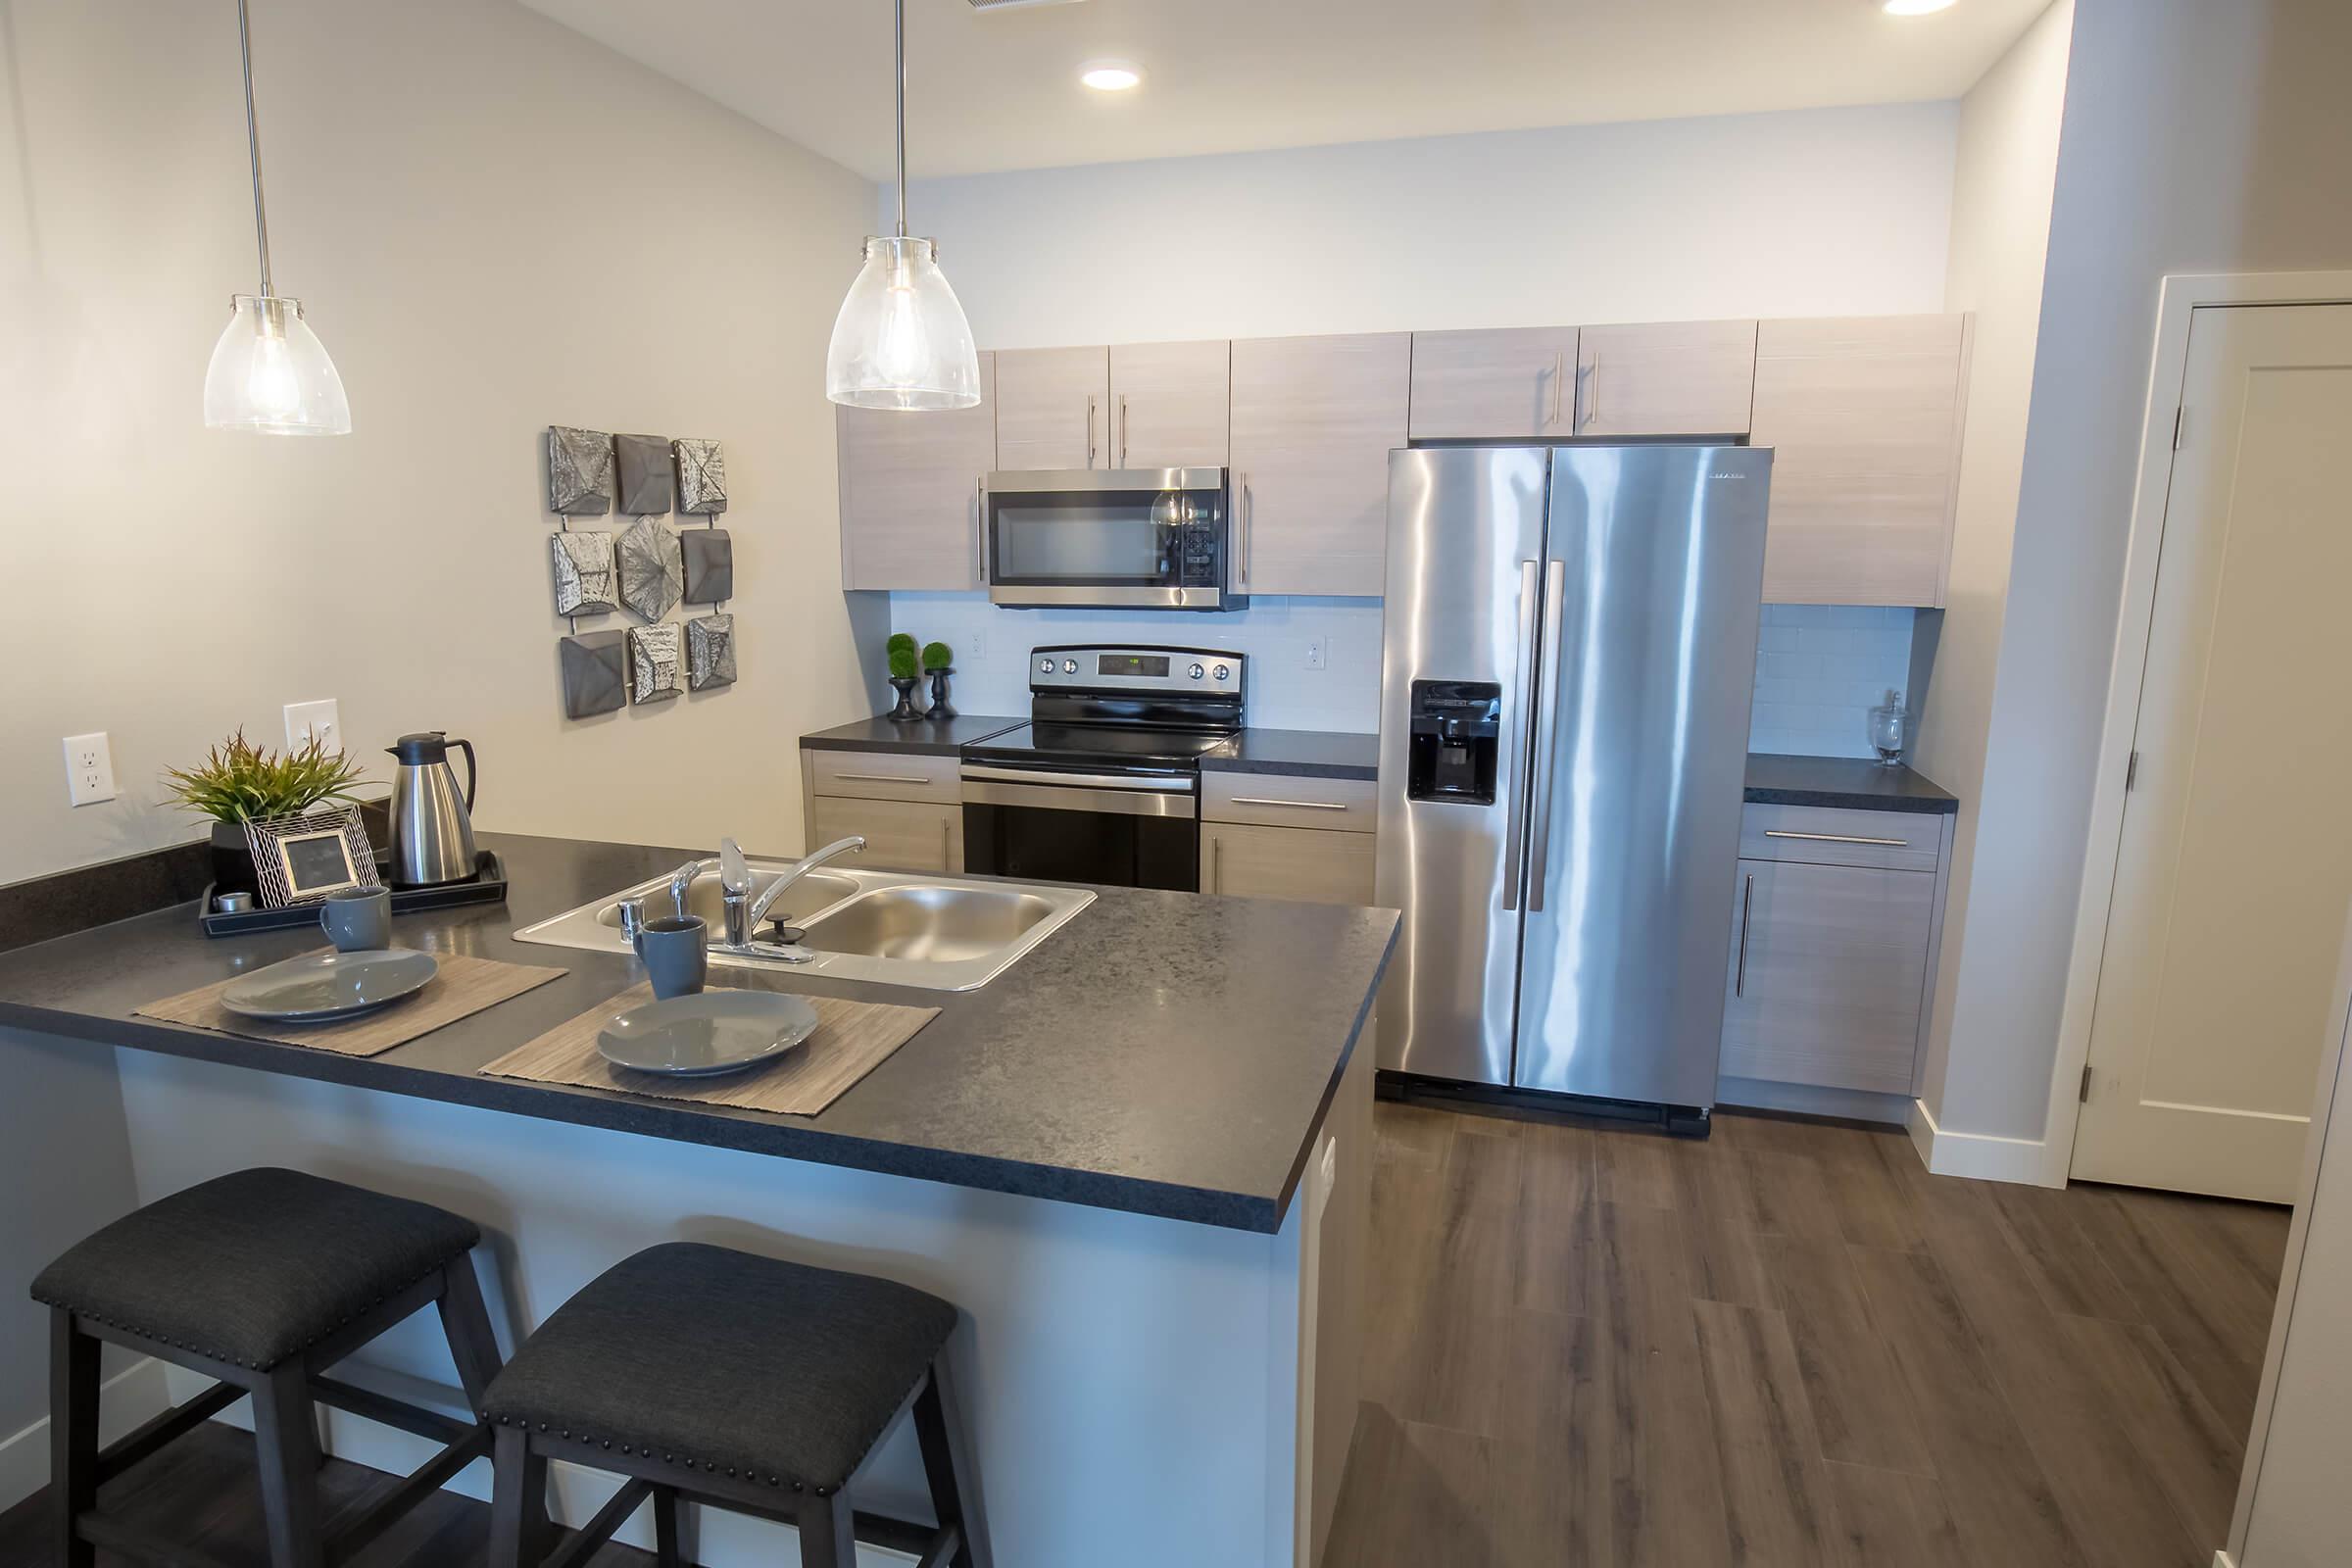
column 89, row 768
column 319, row 721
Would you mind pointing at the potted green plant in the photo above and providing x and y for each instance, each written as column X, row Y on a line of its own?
column 239, row 782
column 939, row 663
column 905, row 675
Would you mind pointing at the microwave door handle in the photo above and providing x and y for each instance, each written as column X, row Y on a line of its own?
column 1555, row 589
column 980, row 531
column 1522, row 709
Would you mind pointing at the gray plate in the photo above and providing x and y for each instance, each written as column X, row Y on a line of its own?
column 321, row 987
column 708, row 1033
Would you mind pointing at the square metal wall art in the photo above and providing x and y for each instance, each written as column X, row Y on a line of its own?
column 595, row 673
column 579, row 471
column 644, row 474
column 583, row 574
column 709, row 652
column 710, row 565
column 701, row 476
column 653, row 571
column 654, row 663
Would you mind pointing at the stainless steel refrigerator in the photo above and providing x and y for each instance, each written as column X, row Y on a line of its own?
column 1569, row 657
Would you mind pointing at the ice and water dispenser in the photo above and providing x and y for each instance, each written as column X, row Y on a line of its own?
column 1456, row 729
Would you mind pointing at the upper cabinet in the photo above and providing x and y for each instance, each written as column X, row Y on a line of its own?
column 1170, row 404
column 1053, row 408
column 1313, row 422
column 911, row 497
column 1865, row 415
column 1494, row 385
column 1671, row 378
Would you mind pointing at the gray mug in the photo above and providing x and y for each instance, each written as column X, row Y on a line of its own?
column 677, row 954
column 358, row 919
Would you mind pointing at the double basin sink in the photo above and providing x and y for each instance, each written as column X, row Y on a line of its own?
column 936, row 933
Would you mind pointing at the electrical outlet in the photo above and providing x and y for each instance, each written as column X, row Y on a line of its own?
column 318, row 721
column 1318, row 649
column 975, row 646
column 89, row 768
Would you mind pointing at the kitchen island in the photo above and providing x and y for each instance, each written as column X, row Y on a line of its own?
column 1136, row 1161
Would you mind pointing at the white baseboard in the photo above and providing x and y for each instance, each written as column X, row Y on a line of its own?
column 131, row 1397
column 1979, row 1157
column 2221, row 1560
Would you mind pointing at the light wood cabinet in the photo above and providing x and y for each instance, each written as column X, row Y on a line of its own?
column 1170, row 404
column 1865, row 416
column 1052, row 407
column 900, row 835
column 1513, row 382
column 1247, row 860
column 1667, row 379
column 884, row 775
column 1313, row 422
column 910, row 498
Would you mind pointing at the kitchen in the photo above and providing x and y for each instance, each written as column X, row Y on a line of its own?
column 1330, row 292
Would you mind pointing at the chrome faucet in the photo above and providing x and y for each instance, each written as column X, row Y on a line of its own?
column 745, row 912
column 681, row 883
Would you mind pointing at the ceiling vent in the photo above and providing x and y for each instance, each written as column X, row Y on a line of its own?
column 1017, row 5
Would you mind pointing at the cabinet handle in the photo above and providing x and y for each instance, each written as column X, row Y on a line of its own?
column 1837, row 838
column 884, row 778
column 1122, row 429
column 946, row 844
column 1090, row 429
column 1241, row 534
column 1559, row 373
column 1588, row 403
column 1747, row 899
column 1216, row 863
column 1301, row 806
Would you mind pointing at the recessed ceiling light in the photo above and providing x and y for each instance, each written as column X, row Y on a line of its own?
column 1111, row 76
column 1915, row 8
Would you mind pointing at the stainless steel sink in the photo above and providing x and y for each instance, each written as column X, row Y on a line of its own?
column 937, row 933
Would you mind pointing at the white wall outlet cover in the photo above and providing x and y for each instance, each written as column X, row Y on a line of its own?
column 89, row 768
column 1318, row 651
column 319, row 720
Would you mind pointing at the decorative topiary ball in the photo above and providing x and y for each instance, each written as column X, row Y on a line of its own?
column 899, row 640
column 938, row 655
column 902, row 664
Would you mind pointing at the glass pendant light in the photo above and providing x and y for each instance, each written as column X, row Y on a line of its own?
column 900, row 340
column 270, row 374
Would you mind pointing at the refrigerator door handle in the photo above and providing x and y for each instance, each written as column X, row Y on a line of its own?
column 1555, row 589
column 1523, row 712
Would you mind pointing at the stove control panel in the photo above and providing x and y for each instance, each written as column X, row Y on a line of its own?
column 1123, row 668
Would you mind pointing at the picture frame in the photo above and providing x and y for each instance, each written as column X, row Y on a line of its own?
column 302, row 859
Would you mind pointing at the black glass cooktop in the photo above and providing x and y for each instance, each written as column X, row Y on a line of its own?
column 1097, row 746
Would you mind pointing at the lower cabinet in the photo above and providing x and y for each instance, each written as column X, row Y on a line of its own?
column 1314, row 866
column 1833, row 951
column 908, row 809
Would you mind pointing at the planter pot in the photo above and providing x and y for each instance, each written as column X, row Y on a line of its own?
column 939, row 695
column 906, row 713
column 232, row 859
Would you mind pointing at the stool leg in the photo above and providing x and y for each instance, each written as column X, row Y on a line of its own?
column 518, row 1501
column 465, row 1322
column 828, row 1537
column 665, row 1529
column 285, row 1431
column 947, row 1465
column 73, row 1437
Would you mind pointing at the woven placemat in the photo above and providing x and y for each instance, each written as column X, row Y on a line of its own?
column 851, row 1040
column 462, row 986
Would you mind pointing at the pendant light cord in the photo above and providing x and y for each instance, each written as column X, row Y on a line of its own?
column 898, row 34
column 252, row 148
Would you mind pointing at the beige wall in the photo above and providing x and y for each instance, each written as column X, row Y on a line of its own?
column 2198, row 138
column 495, row 224
column 2001, row 195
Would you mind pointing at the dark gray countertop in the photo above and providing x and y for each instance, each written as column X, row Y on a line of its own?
column 1845, row 781
column 921, row 738
column 1297, row 752
column 1163, row 1053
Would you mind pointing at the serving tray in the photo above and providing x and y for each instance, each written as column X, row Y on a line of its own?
column 489, row 886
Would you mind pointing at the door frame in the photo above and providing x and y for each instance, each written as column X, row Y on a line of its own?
column 2182, row 295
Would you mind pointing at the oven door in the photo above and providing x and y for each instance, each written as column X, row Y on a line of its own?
column 1116, row 829
column 1148, row 538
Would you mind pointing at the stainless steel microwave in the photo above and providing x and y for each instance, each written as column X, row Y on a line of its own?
column 1121, row 538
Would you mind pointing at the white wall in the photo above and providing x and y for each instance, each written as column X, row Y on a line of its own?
column 2008, row 166
column 1829, row 211
column 495, row 224
column 2197, row 137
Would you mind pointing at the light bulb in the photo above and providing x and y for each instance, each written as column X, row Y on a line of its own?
column 270, row 387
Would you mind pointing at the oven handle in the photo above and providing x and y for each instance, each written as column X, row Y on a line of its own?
column 1152, row 785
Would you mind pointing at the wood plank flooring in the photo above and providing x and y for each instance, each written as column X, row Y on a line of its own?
column 1790, row 1346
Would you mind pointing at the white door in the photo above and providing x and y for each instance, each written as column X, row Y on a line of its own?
column 2235, row 866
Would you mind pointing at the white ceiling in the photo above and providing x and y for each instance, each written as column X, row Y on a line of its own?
column 1000, row 90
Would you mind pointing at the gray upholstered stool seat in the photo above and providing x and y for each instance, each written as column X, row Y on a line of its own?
column 742, row 1382
column 253, row 1267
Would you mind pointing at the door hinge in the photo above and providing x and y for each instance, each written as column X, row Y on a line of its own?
column 2132, row 773
column 2179, row 424
column 2085, row 1094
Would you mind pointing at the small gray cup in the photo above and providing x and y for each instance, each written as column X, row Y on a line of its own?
column 358, row 919
column 676, row 953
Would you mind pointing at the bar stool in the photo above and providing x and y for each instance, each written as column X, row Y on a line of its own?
column 260, row 1280
column 738, row 1382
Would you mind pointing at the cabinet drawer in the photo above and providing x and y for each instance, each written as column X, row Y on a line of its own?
column 900, row 835
column 1827, row 975
column 1277, row 799
column 884, row 776
column 1286, row 863
column 1902, row 841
